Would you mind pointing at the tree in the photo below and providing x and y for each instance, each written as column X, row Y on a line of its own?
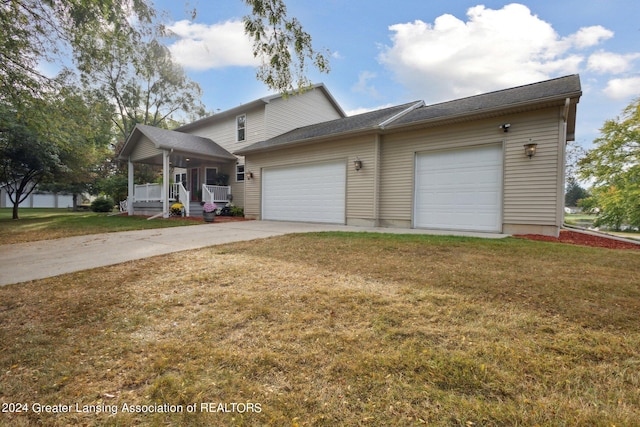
column 84, row 134
column 26, row 155
column 275, row 38
column 614, row 167
column 574, row 193
column 36, row 31
column 146, row 86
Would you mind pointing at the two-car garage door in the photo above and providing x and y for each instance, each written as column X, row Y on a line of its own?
column 454, row 190
column 311, row 192
column 459, row 189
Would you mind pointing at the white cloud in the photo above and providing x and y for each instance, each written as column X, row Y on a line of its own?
column 589, row 36
column 363, row 86
column 203, row 47
column 608, row 62
column 362, row 110
column 623, row 88
column 492, row 49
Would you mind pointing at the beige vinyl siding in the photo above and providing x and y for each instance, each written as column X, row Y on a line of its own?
column 224, row 133
column 360, row 184
column 285, row 114
column 398, row 162
column 144, row 149
column 529, row 185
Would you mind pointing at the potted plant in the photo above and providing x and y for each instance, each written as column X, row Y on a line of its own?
column 177, row 209
column 209, row 211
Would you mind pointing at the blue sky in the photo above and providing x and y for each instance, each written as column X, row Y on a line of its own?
column 386, row 53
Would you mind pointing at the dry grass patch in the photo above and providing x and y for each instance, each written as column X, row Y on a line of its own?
column 335, row 329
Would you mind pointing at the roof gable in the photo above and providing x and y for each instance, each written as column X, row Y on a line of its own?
column 258, row 103
column 164, row 139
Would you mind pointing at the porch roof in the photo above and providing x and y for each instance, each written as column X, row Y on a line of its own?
column 184, row 147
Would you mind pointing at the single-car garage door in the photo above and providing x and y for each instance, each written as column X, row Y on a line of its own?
column 312, row 193
column 459, row 189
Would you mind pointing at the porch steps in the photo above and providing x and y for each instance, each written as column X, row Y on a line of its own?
column 195, row 209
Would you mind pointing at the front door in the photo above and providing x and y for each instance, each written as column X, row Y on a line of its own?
column 195, row 184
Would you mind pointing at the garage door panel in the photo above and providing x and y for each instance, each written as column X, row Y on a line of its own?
column 459, row 189
column 313, row 193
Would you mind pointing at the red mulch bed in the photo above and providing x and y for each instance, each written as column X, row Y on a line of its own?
column 575, row 238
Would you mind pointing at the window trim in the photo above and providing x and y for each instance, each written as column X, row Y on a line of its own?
column 243, row 128
column 207, row 169
column 240, row 174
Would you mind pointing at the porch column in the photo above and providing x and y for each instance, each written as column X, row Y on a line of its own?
column 165, row 183
column 130, row 195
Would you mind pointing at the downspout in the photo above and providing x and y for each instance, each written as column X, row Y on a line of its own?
column 562, row 155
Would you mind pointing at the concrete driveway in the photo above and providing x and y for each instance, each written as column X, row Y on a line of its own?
column 37, row 260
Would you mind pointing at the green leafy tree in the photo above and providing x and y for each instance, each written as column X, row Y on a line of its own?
column 574, row 192
column 84, row 135
column 27, row 155
column 614, row 168
column 283, row 46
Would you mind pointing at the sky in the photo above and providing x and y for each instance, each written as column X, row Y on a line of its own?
column 385, row 53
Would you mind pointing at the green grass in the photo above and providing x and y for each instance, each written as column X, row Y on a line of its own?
column 580, row 219
column 43, row 224
column 335, row 329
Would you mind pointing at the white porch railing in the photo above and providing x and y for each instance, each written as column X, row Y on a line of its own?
column 147, row 192
column 153, row 193
column 215, row 193
column 178, row 192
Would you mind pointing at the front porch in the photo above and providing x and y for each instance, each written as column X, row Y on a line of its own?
column 148, row 198
column 193, row 168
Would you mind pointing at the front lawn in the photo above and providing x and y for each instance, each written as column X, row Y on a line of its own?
column 332, row 329
column 43, row 224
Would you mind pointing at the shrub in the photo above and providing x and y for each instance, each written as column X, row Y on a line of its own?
column 102, row 204
column 237, row 211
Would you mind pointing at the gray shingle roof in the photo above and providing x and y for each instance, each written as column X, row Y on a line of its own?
column 183, row 142
column 549, row 90
column 535, row 93
column 357, row 123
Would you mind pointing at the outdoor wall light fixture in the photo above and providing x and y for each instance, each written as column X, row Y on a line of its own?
column 530, row 148
column 250, row 175
column 505, row 127
column 357, row 164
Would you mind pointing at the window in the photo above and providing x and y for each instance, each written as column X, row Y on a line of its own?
column 211, row 176
column 239, row 173
column 241, row 125
column 182, row 177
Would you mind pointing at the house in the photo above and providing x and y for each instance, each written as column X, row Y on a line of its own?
column 492, row 162
column 197, row 158
column 37, row 199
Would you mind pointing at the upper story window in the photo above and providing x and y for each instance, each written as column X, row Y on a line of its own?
column 241, row 126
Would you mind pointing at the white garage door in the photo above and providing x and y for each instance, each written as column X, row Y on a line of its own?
column 459, row 189
column 313, row 193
